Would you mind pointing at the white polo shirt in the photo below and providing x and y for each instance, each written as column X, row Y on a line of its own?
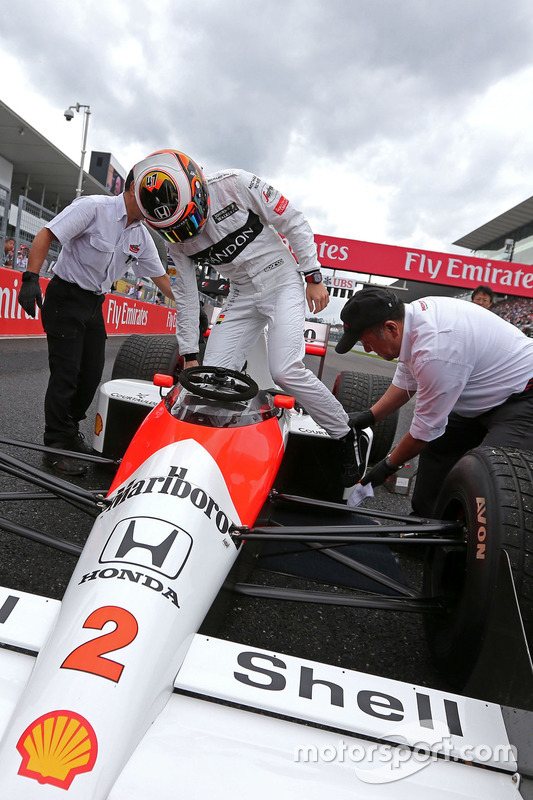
column 460, row 357
column 98, row 248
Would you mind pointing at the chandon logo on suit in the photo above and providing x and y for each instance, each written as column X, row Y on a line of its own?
column 232, row 245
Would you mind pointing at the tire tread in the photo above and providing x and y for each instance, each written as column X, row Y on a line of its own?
column 142, row 356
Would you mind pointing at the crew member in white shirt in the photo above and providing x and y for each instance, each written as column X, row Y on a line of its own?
column 101, row 238
column 472, row 373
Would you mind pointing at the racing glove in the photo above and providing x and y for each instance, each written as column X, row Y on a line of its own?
column 30, row 293
column 379, row 473
column 361, row 419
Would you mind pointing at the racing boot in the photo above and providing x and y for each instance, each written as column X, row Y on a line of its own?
column 349, row 467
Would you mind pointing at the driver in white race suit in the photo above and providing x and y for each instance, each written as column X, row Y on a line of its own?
column 233, row 221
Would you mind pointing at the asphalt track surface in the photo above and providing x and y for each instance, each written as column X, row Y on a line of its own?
column 391, row 644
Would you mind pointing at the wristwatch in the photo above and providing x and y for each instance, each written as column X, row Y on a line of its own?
column 313, row 277
column 391, row 466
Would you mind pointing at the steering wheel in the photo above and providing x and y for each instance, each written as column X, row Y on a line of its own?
column 218, row 383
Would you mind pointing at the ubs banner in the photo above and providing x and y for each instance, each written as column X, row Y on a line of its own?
column 464, row 272
column 122, row 315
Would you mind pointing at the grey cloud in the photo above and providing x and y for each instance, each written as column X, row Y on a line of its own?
column 233, row 81
column 381, row 83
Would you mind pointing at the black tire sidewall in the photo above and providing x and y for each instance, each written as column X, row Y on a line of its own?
column 470, row 493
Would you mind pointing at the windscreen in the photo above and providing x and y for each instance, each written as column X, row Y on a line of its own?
column 189, row 407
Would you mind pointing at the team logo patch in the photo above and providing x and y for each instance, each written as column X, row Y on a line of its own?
column 273, row 265
column 134, row 248
column 226, row 212
column 268, row 194
column 281, row 205
column 57, row 747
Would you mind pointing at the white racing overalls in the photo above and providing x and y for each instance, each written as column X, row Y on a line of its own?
column 241, row 240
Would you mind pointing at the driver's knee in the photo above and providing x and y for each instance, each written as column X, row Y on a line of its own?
column 288, row 376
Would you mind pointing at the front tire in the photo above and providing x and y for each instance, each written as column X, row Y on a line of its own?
column 491, row 491
column 357, row 392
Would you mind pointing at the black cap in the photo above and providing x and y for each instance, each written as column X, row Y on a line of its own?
column 366, row 308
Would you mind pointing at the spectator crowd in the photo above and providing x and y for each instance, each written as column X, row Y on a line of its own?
column 518, row 311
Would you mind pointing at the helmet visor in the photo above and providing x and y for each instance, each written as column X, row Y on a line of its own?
column 159, row 196
column 184, row 230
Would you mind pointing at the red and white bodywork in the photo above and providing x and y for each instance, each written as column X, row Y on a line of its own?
column 152, row 566
column 97, row 717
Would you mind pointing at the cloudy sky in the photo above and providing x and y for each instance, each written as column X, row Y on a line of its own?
column 405, row 122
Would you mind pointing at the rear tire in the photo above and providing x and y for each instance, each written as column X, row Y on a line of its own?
column 141, row 357
column 357, row 392
column 491, row 490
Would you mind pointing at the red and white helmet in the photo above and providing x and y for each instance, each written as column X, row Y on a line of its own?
column 171, row 192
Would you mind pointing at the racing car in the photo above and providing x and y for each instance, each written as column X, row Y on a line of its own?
column 122, row 689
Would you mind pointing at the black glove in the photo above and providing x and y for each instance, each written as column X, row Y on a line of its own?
column 361, row 419
column 379, row 473
column 30, row 293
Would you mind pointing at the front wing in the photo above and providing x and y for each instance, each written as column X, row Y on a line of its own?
column 317, row 729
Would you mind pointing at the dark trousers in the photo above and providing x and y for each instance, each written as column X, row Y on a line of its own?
column 509, row 425
column 76, row 335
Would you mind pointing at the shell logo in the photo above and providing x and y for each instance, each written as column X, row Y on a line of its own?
column 98, row 425
column 57, row 747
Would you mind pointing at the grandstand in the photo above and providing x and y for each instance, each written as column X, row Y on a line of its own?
column 518, row 311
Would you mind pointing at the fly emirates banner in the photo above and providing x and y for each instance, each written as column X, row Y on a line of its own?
column 122, row 315
column 411, row 264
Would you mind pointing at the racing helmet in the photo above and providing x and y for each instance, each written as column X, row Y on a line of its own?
column 172, row 194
